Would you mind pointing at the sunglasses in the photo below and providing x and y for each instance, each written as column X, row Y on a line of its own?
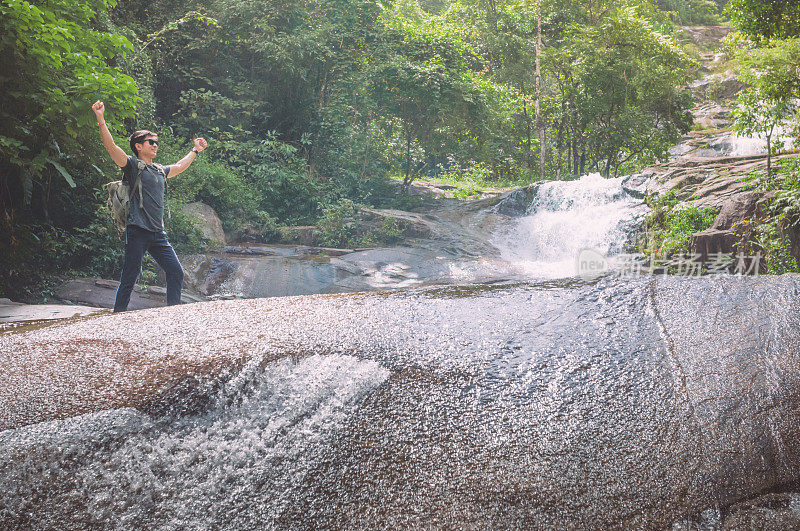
column 151, row 142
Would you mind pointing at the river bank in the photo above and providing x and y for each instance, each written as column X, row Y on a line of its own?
column 446, row 240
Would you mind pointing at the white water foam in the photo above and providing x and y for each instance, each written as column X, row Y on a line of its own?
column 757, row 144
column 211, row 467
column 565, row 218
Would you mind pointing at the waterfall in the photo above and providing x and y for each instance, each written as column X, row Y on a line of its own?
column 565, row 218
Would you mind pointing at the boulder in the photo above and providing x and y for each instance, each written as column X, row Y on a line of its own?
column 793, row 232
column 475, row 406
column 210, row 224
column 713, row 241
column 516, row 202
column 735, row 210
column 729, row 230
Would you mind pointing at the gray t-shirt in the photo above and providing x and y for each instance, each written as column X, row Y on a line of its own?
column 154, row 181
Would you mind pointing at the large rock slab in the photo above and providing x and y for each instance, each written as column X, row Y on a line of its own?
column 616, row 404
column 279, row 270
column 101, row 293
column 703, row 181
column 14, row 312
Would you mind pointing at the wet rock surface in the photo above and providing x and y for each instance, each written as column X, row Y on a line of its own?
column 101, row 293
column 534, row 405
column 517, row 202
column 771, row 512
column 11, row 311
column 450, row 244
column 705, row 181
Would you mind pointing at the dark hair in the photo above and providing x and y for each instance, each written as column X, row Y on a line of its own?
column 138, row 137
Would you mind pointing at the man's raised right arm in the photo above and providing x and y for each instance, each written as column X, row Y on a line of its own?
column 119, row 156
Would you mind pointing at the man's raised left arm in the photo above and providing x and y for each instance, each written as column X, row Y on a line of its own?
column 179, row 167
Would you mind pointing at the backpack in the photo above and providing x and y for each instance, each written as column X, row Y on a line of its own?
column 119, row 198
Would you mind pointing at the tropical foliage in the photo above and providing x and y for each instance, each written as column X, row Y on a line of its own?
column 309, row 104
column 767, row 46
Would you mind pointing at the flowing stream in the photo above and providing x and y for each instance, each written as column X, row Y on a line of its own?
column 565, row 218
column 541, row 404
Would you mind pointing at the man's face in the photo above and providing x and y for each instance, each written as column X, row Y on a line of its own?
column 148, row 148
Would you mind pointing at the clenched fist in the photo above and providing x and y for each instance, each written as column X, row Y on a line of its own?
column 200, row 144
column 99, row 108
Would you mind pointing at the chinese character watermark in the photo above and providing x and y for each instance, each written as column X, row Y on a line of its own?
column 591, row 264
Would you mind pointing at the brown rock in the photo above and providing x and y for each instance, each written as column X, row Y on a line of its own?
column 793, row 231
column 712, row 241
column 735, row 210
column 210, row 224
column 728, row 232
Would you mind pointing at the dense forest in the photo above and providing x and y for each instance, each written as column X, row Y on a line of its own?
column 309, row 105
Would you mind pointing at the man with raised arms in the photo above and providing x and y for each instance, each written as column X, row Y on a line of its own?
column 144, row 231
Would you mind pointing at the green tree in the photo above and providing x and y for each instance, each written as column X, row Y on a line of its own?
column 624, row 82
column 53, row 65
column 692, row 12
column 770, row 101
column 759, row 114
column 429, row 82
column 765, row 19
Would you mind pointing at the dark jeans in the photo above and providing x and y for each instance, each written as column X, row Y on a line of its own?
column 137, row 242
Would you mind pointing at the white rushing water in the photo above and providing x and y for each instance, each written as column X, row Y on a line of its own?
column 730, row 144
column 565, row 218
column 251, row 440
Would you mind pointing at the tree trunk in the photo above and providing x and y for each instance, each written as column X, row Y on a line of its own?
column 539, row 124
column 607, row 170
column 576, row 159
column 407, row 178
column 569, row 156
column 583, row 163
column 769, row 151
column 6, row 208
column 527, row 128
column 558, row 152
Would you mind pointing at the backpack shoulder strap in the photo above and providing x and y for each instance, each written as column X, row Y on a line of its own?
column 137, row 185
